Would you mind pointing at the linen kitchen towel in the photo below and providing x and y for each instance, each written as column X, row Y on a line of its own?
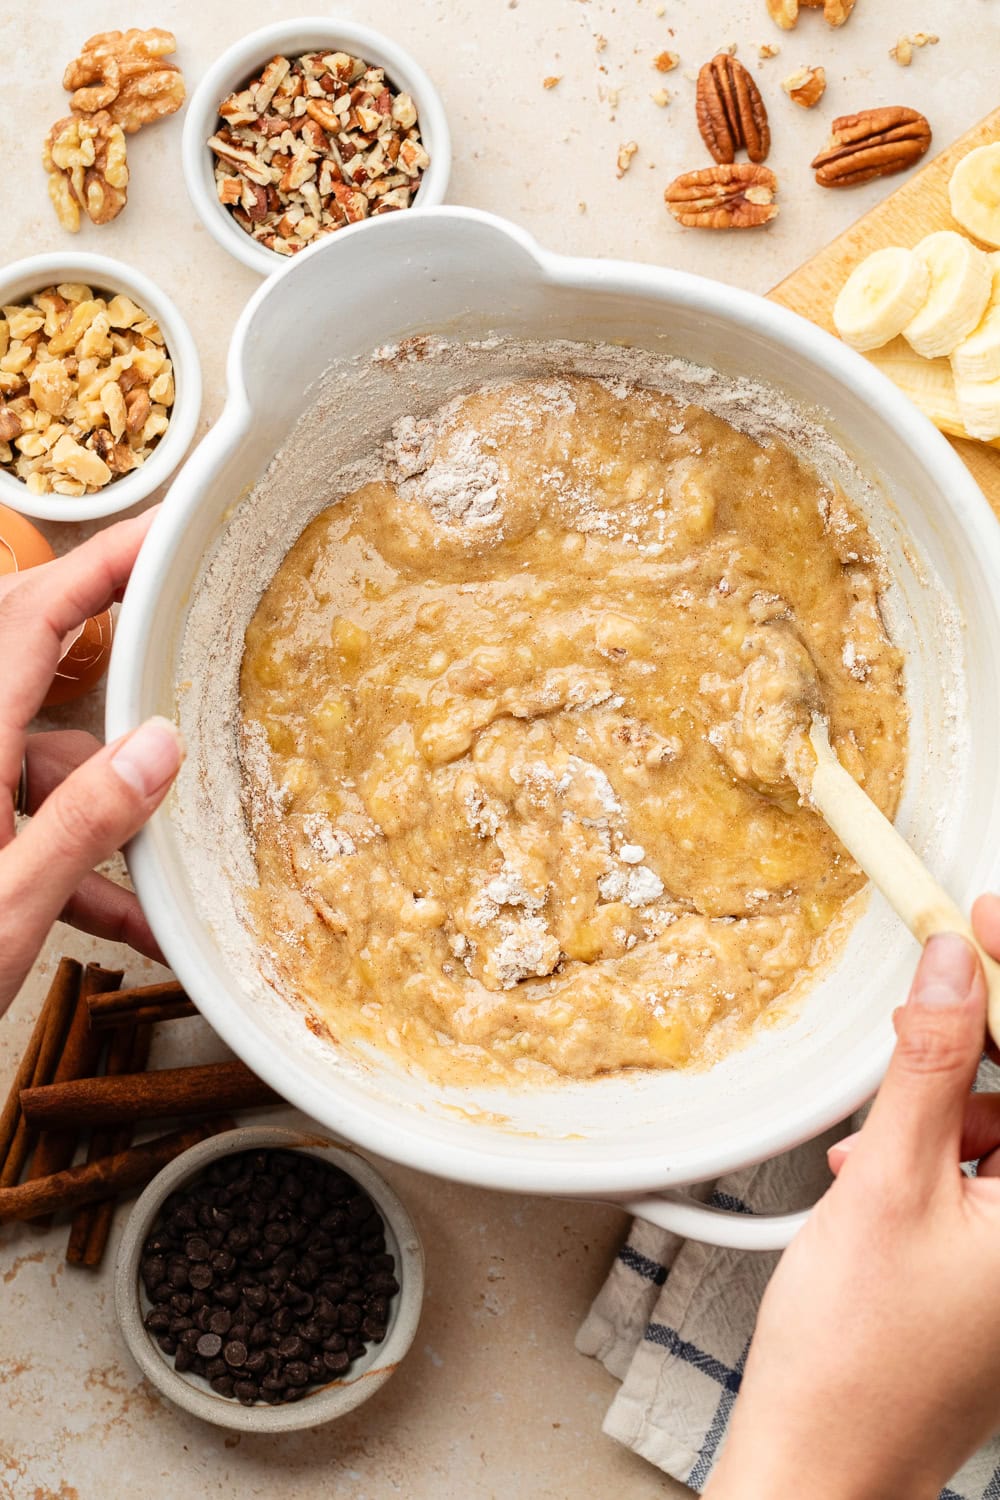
column 673, row 1323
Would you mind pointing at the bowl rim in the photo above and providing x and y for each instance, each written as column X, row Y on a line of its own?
column 240, row 60
column 33, row 273
column 455, row 1158
column 330, row 1401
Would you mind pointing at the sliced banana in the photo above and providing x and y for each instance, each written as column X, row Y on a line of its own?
column 929, row 384
column 880, row 297
column 974, row 191
column 961, row 279
column 978, row 356
column 979, row 405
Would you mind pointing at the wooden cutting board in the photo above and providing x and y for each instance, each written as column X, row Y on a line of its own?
column 918, row 207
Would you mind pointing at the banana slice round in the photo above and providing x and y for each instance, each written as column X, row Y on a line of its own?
column 979, row 405
column 978, row 356
column 880, row 297
column 961, row 280
column 974, row 191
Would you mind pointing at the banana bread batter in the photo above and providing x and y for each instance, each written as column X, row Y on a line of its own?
column 494, row 715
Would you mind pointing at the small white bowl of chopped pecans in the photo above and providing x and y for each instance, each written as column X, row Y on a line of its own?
column 100, row 387
column 305, row 127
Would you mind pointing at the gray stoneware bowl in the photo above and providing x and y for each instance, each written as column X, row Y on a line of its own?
column 326, row 1402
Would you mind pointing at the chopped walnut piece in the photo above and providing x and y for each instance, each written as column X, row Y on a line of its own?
column 806, row 86
column 767, row 49
column 600, row 42
column 313, row 143
column 86, row 386
column 624, row 158
column 551, row 81
column 665, row 62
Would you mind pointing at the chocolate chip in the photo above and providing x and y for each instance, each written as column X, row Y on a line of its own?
column 246, row 1391
column 373, row 1329
column 257, row 1362
column 201, row 1276
column 355, row 1348
column 235, row 1353
column 209, row 1345
column 197, row 1248
column 219, row 1320
column 336, row 1361
column 223, row 1385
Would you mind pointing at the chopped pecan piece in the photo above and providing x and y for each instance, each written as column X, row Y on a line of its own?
column 806, row 86
column 731, row 113
column 785, row 13
column 737, row 195
column 873, row 143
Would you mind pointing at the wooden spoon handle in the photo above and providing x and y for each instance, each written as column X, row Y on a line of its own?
column 891, row 864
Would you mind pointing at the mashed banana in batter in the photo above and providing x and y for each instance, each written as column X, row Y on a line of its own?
column 513, row 728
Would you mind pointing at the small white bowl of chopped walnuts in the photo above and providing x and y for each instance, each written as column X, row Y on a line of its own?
column 100, row 387
column 305, row 127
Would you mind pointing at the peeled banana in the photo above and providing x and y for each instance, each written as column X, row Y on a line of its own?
column 929, row 383
column 961, row 280
column 881, row 296
column 974, row 191
column 979, row 405
column 978, row 356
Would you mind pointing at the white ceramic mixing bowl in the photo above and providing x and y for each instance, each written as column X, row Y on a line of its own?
column 468, row 276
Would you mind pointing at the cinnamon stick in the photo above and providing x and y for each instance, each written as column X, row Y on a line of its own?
column 208, row 1089
column 37, row 1067
column 80, row 1055
column 150, row 1002
column 108, row 1174
column 119, row 1002
column 88, row 1235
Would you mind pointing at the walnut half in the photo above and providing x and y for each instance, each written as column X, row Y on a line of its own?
column 87, row 166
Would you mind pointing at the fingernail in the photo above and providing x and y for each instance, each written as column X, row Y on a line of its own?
column 847, row 1144
column 150, row 756
column 945, row 972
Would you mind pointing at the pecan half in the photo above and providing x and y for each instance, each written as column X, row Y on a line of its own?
column 874, row 143
column 731, row 113
column 736, row 195
column 785, row 13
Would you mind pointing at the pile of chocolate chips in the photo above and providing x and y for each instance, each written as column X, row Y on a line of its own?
column 268, row 1274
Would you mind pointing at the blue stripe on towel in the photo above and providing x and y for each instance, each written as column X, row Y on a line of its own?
column 670, row 1339
column 650, row 1270
column 949, row 1495
column 992, row 1490
column 729, row 1203
column 706, row 1458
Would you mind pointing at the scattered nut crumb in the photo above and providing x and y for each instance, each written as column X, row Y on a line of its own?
column 806, row 86
column 600, row 42
column 766, row 50
column 902, row 53
column 664, row 62
column 660, row 11
column 581, row 207
column 551, row 81
column 660, row 97
column 625, row 155
column 731, row 48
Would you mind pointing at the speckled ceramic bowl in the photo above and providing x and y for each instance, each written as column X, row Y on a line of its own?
column 325, row 1402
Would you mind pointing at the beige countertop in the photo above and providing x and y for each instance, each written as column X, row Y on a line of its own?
column 493, row 1402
